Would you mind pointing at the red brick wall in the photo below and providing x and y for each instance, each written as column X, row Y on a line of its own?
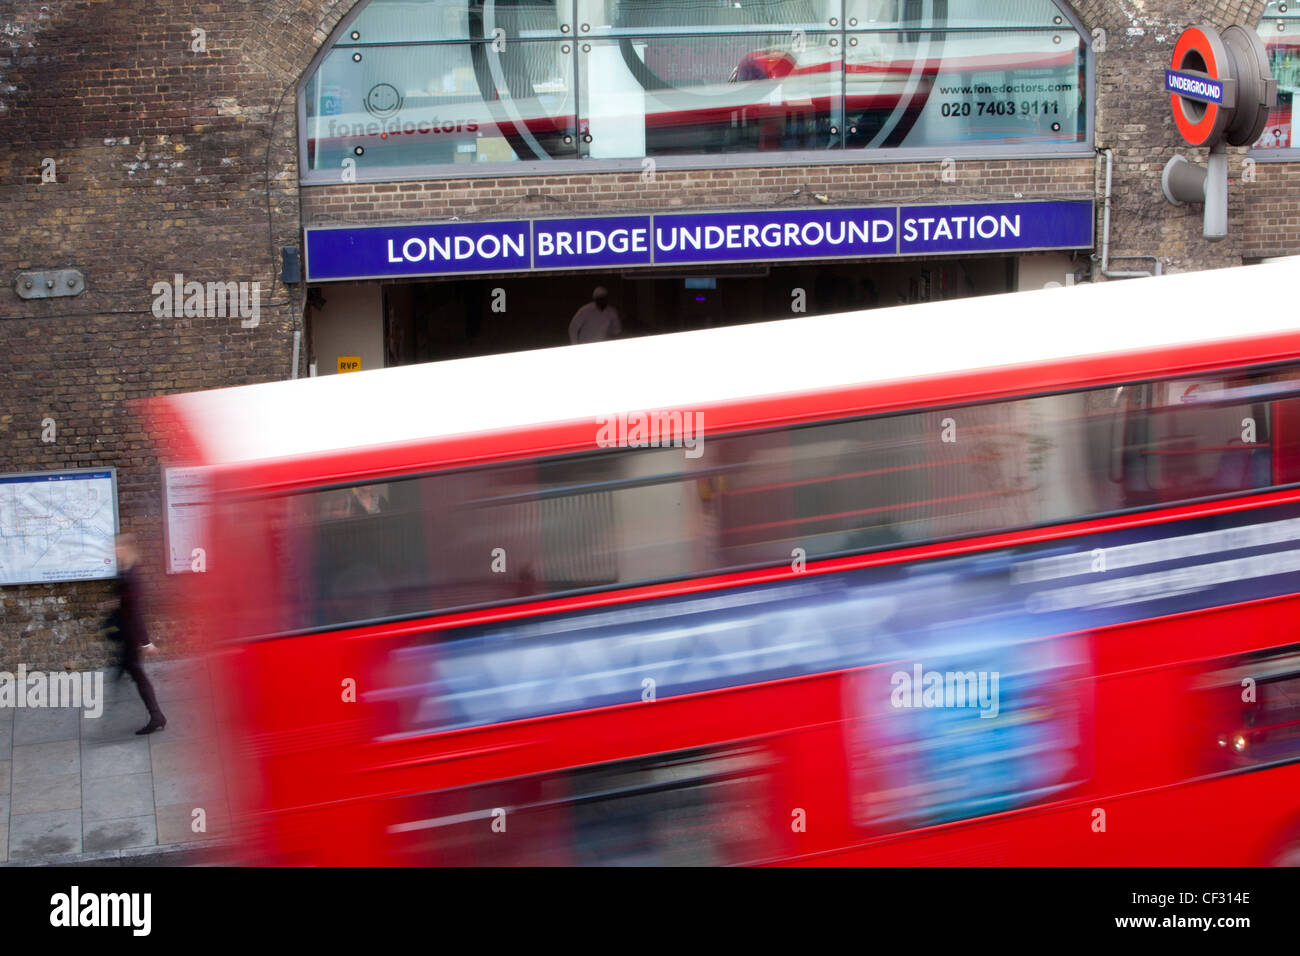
column 161, row 165
column 739, row 187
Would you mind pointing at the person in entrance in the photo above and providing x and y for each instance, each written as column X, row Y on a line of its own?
column 596, row 321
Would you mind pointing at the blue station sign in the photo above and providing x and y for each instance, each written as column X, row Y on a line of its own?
column 706, row 238
column 1201, row 88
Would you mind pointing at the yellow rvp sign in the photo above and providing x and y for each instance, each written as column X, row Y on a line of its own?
column 349, row 363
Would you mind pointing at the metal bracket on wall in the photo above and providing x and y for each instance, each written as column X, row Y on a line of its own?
column 48, row 284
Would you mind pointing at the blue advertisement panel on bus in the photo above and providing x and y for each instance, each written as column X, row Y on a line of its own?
column 985, row 606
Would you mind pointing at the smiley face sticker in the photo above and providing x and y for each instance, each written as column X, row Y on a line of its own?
column 383, row 100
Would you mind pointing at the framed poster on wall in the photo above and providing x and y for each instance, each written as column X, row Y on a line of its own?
column 58, row 526
column 185, row 494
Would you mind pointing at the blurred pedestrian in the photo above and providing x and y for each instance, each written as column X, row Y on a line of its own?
column 132, row 633
column 112, row 630
column 596, row 321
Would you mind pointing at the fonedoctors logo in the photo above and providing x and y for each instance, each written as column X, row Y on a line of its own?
column 75, row 909
column 397, row 127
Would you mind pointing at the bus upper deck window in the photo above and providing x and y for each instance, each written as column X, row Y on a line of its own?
column 1190, row 438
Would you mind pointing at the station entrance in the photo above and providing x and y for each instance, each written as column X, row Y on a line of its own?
column 367, row 325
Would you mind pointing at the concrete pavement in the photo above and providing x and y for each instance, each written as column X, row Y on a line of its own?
column 83, row 790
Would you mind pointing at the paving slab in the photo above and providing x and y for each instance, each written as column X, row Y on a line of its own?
column 40, row 793
column 115, row 758
column 88, row 791
column 37, row 725
column 188, row 719
column 197, row 789
column 39, row 836
column 114, row 798
column 194, row 853
column 172, row 757
column 181, row 687
column 57, row 757
column 119, row 722
column 141, row 831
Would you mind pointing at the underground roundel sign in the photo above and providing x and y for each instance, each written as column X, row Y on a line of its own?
column 1220, row 86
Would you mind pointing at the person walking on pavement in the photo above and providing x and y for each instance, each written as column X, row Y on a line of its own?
column 132, row 631
column 596, row 321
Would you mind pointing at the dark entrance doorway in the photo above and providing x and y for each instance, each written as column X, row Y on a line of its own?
column 427, row 321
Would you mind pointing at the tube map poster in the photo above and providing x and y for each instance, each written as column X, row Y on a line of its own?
column 57, row 526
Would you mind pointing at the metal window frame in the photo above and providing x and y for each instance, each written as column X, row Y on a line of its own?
column 567, row 167
column 1290, row 154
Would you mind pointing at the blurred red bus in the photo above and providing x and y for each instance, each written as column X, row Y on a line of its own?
column 999, row 580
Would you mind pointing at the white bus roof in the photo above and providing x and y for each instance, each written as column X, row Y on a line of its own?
column 689, row 370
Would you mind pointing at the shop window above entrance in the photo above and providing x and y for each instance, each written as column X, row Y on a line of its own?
column 1280, row 31
column 426, row 88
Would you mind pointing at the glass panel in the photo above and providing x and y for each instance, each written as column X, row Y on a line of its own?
column 940, row 89
column 605, row 17
column 1280, row 30
column 661, row 96
column 422, row 83
column 954, row 13
column 424, row 21
column 1194, row 438
column 873, row 14
column 442, row 104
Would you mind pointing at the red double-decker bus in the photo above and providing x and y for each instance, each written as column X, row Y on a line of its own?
column 998, row 580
